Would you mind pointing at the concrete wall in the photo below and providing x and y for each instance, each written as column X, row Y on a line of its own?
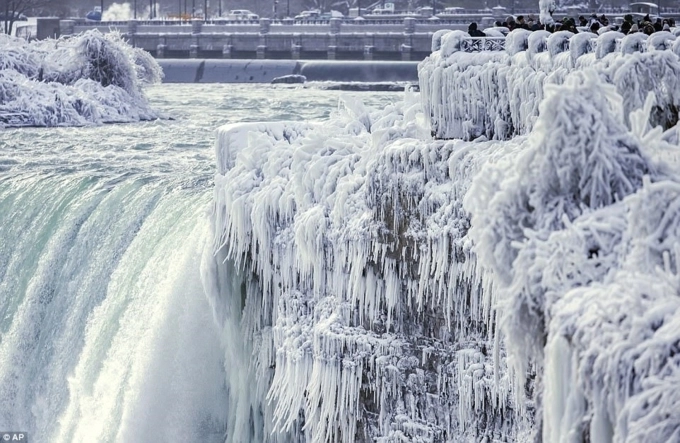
column 102, row 28
column 334, row 40
column 226, row 71
column 264, row 71
column 359, row 71
column 47, row 27
column 357, row 46
column 277, row 26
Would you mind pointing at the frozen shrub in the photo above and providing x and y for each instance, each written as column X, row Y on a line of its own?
column 76, row 80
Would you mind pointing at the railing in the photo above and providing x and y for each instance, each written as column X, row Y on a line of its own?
column 483, row 44
column 443, row 18
column 600, row 45
column 263, row 26
column 174, row 22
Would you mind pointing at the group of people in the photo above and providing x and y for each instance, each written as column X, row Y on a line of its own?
column 594, row 24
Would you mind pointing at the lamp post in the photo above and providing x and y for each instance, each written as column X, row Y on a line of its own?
column 101, row 6
column 287, row 8
column 135, row 11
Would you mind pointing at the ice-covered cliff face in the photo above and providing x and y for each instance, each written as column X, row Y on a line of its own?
column 364, row 315
column 85, row 79
column 376, row 284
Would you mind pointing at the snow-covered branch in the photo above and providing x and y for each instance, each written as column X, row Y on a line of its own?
column 85, row 79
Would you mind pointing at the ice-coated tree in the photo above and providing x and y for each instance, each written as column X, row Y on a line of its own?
column 12, row 11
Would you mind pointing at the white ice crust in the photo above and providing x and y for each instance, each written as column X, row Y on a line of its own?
column 402, row 287
column 497, row 94
column 90, row 78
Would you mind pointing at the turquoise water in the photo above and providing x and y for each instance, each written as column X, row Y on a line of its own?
column 105, row 332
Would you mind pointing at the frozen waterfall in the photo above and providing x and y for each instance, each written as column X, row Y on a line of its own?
column 377, row 283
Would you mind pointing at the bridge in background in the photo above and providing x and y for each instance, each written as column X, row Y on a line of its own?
column 404, row 39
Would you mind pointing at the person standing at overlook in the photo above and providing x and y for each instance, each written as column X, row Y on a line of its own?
column 521, row 23
column 474, row 32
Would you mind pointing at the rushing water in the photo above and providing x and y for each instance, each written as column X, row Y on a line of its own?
column 105, row 332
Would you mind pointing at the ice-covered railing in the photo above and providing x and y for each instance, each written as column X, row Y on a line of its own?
column 477, row 44
column 496, row 94
column 75, row 80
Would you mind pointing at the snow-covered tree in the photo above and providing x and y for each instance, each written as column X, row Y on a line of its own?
column 12, row 11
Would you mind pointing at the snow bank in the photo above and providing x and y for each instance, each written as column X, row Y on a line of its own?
column 497, row 94
column 391, row 287
column 76, row 80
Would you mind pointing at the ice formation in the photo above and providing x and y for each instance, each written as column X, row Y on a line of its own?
column 545, row 11
column 330, row 302
column 77, row 80
column 375, row 283
column 497, row 94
